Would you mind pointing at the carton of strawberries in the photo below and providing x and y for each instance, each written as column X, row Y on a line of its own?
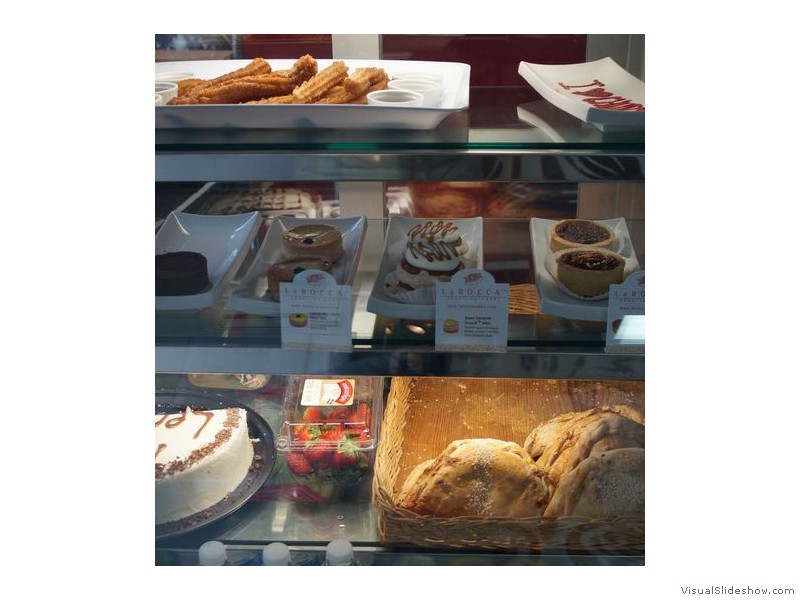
column 330, row 430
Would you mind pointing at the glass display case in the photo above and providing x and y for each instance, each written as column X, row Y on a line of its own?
column 522, row 159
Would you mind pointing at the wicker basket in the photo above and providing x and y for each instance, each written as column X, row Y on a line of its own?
column 419, row 421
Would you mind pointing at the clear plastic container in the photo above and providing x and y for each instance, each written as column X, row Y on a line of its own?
column 330, row 430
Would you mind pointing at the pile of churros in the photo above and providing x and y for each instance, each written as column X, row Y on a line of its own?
column 303, row 83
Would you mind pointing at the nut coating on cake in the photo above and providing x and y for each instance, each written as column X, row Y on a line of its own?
column 201, row 456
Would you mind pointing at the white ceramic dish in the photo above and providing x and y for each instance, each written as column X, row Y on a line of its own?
column 223, row 240
column 384, row 303
column 431, row 91
column 338, row 116
column 249, row 295
column 167, row 89
column 599, row 92
column 554, row 298
column 392, row 97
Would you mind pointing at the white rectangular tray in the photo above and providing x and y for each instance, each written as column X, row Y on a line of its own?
column 382, row 302
column 222, row 239
column 336, row 116
column 566, row 87
column 553, row 299
column 249, row 295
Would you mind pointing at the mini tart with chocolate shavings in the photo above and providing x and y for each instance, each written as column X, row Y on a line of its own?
column 588, row 272
column 580, row 233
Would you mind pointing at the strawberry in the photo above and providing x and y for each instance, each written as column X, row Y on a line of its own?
column 332, row 433
column 347, row 455
column 305, row 433
column 319, row 455
column 313, row 414
column 359, row 435
column 361, row 415
column 338, row 414
column 298, row 463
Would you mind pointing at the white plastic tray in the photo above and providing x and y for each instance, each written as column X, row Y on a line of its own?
column 566, row 87
column 248, row 296
column 223, row 240
column 554, row 298
column 382, row 302
column 341, row 116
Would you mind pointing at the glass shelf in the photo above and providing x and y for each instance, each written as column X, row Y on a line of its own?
column 494, row 139
column 539, row 345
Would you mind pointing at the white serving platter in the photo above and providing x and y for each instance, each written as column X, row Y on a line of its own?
column 249, row 295
column 223, row 240
column 554, row 298
column 381, row 301
column 337, row 116
column 598, row 92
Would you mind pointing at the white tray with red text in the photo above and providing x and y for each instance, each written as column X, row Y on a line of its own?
column 598, row 92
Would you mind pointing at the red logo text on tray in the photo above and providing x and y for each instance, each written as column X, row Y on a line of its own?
column 598, row 96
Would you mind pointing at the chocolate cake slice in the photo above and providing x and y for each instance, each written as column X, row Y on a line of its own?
column 181, row 273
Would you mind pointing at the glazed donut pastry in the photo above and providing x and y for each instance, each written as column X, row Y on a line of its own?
column 480, row 477
column 588, row 272
column 580, row 233
column 320, row 240
column 181, row 273
column 604, row 486
column 286, row 270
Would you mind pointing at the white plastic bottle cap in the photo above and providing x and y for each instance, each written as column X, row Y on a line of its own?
column 212, row 554
column 339, row 552
column 275, row 554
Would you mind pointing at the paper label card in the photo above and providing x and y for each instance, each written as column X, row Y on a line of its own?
column 472, row 312
column 625, row 323
column 316, row 312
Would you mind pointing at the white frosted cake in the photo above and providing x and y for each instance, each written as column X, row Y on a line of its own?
column 201, row 457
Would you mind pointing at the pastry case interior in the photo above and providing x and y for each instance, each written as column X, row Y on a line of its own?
column 519, row 443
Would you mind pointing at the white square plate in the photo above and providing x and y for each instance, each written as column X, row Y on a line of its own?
column 380, row 301
column 553, row 297
column 336, row 116
column 249, row 295
column 599, row 92
column 223, row 240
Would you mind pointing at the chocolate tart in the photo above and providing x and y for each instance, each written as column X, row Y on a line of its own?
column 588, row 272
column 580, row 233
column 320, row 240
column 285, row 271
column 181, row 273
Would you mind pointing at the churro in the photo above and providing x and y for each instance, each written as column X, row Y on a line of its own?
column 244, row 89
column 356, row 86
column 303, row 83
column 257, row 66
column 316, row 87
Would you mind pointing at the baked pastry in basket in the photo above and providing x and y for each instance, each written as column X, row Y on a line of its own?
column 604, row 486
column 481, row 477
column 561, row 443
